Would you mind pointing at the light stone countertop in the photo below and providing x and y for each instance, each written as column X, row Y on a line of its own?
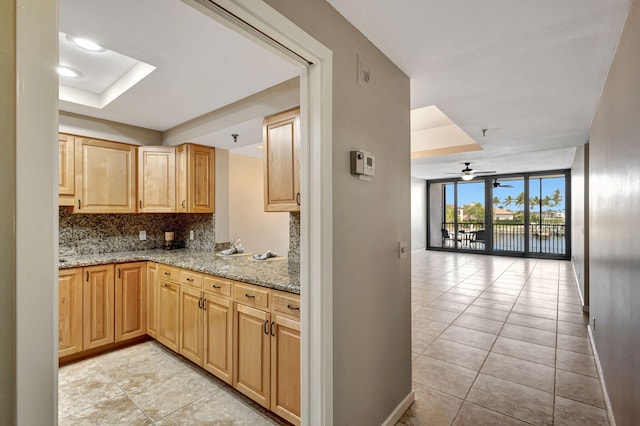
column 279, row 274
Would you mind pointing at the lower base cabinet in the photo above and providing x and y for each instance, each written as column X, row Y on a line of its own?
column 218, row 337
column 285, row 368
column 69, row 311
column 168, row 314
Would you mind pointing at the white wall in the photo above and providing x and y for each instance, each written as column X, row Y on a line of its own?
column 222, row 196
column 436, row 194
column 418, row 213
column 82, row 125
column 259, row 231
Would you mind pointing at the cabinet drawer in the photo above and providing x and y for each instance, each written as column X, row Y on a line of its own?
column 217, row 286
column 192, row 279
column 168, row 273
column 251, row 295
column 285, row 304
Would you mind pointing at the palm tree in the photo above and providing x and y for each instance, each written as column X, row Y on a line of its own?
column 508, row 200
column 519, row 200
column 556, row 197
column 496, row 201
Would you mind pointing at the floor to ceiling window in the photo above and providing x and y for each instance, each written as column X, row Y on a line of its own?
column 523, row 214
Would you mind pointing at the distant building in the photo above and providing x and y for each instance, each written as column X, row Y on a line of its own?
column 502, row 214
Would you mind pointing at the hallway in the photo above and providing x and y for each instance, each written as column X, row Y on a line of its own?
column 500, row 341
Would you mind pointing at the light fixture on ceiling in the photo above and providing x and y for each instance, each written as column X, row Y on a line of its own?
column 235, row 137
column 466, row 176
column 85, row 44
column 69, row 72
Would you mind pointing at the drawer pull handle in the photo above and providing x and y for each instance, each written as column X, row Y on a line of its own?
column 190, row 279
column 250, row 296
column 216, row 286
column 167, row 285
column 204, row 304
column 272, row 324
column 293, row 308
column 184, row 204
column 167, row 273
column 265, row 327
column 200, row 303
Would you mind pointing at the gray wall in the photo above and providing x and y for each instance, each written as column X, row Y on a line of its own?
column 7, row 212
column 436, row 194
column 418, row 213
column 614, row 208
column 580, row 220
column 371, row 285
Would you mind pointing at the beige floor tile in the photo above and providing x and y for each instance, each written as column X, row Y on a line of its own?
column 446, row 317
column 442, row 376
column 526, row 351
column 493, row 304
column 524, row 403
column 85, row 390
column 535, row 311
column 569, row 307
column 491, row 295
column 423, row 325
column 539, row 296
column 116, row 411
column 528, row 334
column 420, row 341
column 574, row 344
column 474, row 415
column 498, row 289
column 578, row 318
column 431, row 408
column 466, row 336
column 579, row 388
column 532, row 321
column 488, row 313
column 456, row 353
column 480, row 324
column 217, row 408
column 457, row 298
column 448, row 306
column 536, row 303
column 576, row 363
column 160, row 399
column 573, row 413
column 572, row 329
column 465, row 292
column 519, row 371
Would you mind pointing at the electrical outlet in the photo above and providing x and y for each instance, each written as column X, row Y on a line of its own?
column 143, row 235
column 191, row 235
column 403, row 249
column 364, row 73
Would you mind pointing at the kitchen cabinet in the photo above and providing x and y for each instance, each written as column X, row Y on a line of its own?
column 130, row 303
column 156, row 179
column 168, row 313
column 218, row 336
column 69, row 311
column 281, row 137
column 153, row 289
column 105, row 176
column 285, row 368
column 191, row 324
column 98, row 306
column 195, row 170
column 66, row 170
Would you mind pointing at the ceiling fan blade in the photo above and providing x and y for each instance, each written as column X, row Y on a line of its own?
column 506, row 186
column 485, row 171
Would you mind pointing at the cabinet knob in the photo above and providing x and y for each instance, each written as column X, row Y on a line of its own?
column 167, row 273
column 190, row 279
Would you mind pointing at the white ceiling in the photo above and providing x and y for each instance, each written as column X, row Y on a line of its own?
column 201, row 65
column 531, row 72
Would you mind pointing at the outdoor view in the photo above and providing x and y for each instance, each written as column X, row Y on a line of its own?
column 545, row 208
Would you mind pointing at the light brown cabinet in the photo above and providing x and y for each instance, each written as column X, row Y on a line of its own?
column 69, row 311
column 195, row 171
column 285, row 368
column 218, row 337
column 281, row 137
column 156, row 179
column 168, row 314
column 105, row 176
column 66, row 170
column 191, row 324
column 98, row 306
column 130, row 303
column 153, row 293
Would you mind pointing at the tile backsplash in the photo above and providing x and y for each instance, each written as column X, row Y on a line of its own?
column 103, row 233
column 294, row 237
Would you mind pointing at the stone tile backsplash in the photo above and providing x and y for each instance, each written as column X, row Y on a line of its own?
column 294, row 237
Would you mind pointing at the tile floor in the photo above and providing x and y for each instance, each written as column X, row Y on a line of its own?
column 147, row 384
column 500, row 341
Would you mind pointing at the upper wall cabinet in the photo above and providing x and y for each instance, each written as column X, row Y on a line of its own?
column 156, row 179
column 281, row 133
column 105, row 176
column 66, row 170
column 195, row 170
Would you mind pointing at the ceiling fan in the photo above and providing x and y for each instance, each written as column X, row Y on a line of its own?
column 497, row 184
column 468, row 173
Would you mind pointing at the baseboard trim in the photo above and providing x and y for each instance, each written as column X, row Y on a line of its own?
column 400, row 410
column 575, row 275
column 607, row 401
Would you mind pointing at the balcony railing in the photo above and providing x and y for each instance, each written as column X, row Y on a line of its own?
column 508, row 237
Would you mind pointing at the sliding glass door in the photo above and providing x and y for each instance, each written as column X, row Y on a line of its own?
column 508, row 215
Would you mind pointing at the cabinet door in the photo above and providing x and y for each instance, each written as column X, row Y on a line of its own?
column 152, row 299
column 182, row 179
column 66, row 170
column 281, row 134
column 131, row 297
column 218, row 337
column 251, row 353
column 98, row 309
column 156, row 179
column 168, row 314
column 285, row 368
column 191, row 324
column 105, row 177
column 201, row 179
column 69, row 311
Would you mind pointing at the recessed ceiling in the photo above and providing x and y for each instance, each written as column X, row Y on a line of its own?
column 201, row 65
column 529, row 72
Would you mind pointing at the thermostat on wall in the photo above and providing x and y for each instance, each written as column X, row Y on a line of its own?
column 363, row 164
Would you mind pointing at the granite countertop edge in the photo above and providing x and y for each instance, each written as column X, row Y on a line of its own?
column 280, row 275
